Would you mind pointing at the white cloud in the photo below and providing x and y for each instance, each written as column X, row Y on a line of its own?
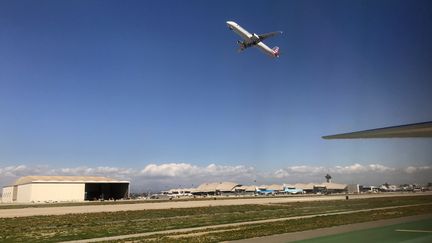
column 17, row 170
column 413, row 169
column 83, row 170
column 358, row 168
column 281, row 173
column 170, row 170
column 355, row 168
column 307, row 170
column 187, row 170
column 368, row 174
column 380, row 168
column 410, row 169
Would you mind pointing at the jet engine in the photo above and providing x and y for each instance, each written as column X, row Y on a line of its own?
column 242, row 45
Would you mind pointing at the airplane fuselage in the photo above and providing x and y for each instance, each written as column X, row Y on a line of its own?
column 239, row 30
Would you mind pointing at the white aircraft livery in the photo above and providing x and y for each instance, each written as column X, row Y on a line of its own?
column 254, row 39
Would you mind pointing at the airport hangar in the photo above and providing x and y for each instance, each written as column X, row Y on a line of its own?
column 64, row 189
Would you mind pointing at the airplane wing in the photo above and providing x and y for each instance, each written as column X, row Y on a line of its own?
column 244, row 34
column 423, row 129
column 268, row 35
column 264, row 48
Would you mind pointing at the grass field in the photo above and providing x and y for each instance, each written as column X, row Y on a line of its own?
column 86, row 226
column 259, row 230
column 418, row 231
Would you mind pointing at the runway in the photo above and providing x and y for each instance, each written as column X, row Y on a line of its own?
column 25, row 212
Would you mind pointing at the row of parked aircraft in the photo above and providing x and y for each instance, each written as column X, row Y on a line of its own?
column 287, row 190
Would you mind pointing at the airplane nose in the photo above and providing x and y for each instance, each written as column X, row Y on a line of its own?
column 230, row 24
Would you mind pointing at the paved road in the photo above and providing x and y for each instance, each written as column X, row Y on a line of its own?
column 310, row 234
column 412, row 232
column 25, row 212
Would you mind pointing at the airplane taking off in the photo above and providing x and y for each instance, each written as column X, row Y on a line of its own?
column 254, row 39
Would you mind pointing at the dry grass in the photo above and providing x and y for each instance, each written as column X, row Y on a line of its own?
column 85, row 226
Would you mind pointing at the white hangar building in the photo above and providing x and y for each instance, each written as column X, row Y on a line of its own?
column 64, row 189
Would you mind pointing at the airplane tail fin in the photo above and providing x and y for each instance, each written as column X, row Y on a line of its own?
column 276, row 51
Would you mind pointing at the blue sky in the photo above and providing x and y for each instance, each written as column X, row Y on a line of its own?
column 126, row 84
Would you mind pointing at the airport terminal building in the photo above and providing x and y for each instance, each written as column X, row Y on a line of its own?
column 64, row 189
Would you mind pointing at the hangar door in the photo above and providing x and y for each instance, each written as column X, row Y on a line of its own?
column 106, row 191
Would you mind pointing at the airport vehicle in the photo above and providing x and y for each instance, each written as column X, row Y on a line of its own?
column 423, row 129
column 254, row 39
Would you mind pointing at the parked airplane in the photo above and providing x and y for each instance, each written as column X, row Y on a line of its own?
column 262, row 190
column 254, row 39
column 292, row 190
column 265, row 192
